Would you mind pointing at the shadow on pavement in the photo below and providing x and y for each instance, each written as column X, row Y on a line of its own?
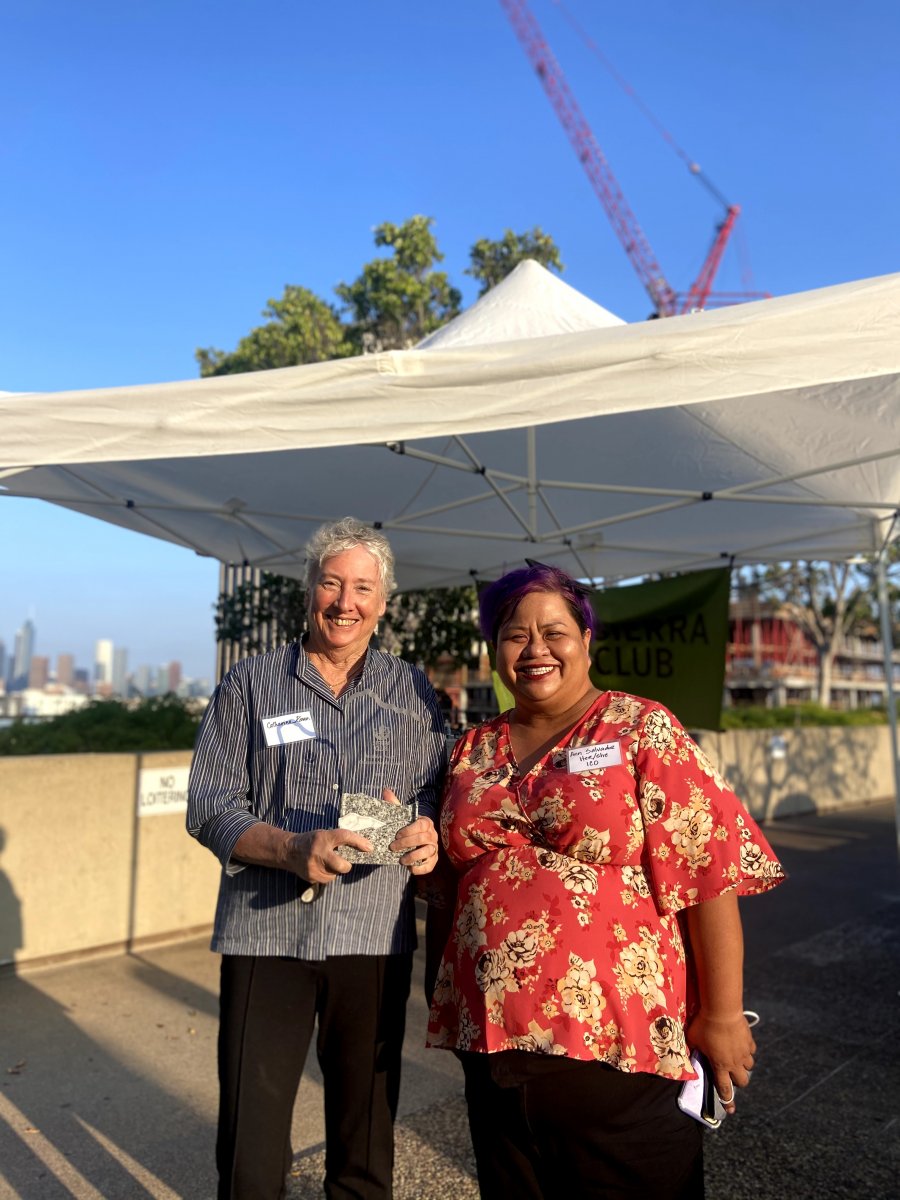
column 821, row 1117
column 89, row 1103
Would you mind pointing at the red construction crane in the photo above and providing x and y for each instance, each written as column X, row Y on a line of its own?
column 666, row 300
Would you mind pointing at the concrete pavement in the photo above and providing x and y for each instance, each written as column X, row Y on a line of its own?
column 107, row 1068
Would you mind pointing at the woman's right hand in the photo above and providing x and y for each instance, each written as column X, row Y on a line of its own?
column 720, row 1029
column 313, row 855
column 729, row 1047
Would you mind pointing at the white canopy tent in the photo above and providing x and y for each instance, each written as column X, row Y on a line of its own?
column 536, row 424
column 756, row 433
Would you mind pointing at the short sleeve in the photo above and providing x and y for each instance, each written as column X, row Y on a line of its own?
column 699, row 839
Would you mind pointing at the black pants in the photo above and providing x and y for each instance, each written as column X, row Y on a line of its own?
column 268, row 1008
column 563, row 1128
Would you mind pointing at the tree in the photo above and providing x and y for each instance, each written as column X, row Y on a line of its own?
column 301, row 329
column 253, row 615
column 493, row 261
column 425, row 626
column 827, row 601
column 158, row 723
column 395, row 302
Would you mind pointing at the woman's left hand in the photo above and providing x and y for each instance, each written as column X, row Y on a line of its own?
column 729, row 1047
column 416, row 843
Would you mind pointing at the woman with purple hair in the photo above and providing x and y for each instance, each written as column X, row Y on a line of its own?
column 596, row 938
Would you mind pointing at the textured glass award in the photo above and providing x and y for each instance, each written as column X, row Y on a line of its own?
column 375, row 819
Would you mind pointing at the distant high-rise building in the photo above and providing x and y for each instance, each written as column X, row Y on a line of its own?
column 24, row 649
column 161, row 681
column 82, row 680
column 120, row 671
column 103, row 661
column 143, row 680
column 173, row 678
column 39, row 672
column 65, row 669
column 3, row 663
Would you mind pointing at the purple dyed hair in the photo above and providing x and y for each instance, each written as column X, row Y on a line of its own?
column 500, row 599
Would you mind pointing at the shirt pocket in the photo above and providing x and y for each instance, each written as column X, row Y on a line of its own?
column 302, row 776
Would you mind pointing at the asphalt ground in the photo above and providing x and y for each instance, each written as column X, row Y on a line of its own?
column 107, row 1067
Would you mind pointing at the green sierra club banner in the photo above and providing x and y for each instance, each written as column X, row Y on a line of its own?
column 664, row 640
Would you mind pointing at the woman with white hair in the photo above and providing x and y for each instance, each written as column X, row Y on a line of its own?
column 305, row 935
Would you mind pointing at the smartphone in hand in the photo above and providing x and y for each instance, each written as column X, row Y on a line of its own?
column 698, row 1097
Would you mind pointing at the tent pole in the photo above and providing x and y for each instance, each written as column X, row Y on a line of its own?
column 887, row 641
column 531, row 442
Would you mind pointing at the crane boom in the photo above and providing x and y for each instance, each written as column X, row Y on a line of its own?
column 592, row 158
column 605, row 185
column 701, row 288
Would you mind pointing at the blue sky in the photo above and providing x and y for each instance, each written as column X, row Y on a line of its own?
column 170, row 165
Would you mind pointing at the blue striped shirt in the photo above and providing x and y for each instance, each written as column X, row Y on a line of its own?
column 385, row 730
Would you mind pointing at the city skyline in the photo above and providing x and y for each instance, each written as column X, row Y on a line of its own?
column 107, row 663
column 89, row 583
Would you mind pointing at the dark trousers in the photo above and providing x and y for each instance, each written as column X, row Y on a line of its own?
column 564, row 1129
column 268, row 1009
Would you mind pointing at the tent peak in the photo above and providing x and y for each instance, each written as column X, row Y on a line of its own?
column 530, row 302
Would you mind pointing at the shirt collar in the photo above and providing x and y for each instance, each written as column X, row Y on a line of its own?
column 374, row 667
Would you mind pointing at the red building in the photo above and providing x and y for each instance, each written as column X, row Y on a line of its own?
column 770, row 660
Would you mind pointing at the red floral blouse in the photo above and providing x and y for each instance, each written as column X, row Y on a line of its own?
column 565, row 936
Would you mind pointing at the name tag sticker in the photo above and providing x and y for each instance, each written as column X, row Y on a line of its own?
column 594, row 758
column 289, row 727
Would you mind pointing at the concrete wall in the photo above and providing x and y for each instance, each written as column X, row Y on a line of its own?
column 81, row 872
column 812, row 769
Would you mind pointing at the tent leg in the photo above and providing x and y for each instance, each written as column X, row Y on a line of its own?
column 887, row 640
column 531, row 442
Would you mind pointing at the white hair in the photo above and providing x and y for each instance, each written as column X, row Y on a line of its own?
column 337, row 536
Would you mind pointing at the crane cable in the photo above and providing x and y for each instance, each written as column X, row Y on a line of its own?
column 694, row 167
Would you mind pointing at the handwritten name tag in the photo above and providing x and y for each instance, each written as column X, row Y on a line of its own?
column 289, row 727
column 594, row 758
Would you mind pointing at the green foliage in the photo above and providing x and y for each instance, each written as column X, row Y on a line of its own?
column 493, row 261
column 423, row 627
column 395, row 302
column 301, row 329
column 757, row 717
column 867, row 571
column 250, row 614
column 158, row 723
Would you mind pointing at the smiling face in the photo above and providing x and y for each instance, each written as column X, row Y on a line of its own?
column 345, row 603
column 542, row 655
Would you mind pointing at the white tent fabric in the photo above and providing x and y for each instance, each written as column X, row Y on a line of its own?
column 528, row 303
column 756, row 433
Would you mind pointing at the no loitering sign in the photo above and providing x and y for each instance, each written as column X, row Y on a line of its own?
column 162, row 790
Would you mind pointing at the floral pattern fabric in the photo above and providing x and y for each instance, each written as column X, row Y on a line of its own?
column 566, row 937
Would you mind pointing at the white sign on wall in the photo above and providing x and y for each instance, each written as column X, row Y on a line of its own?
column 162, row 790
